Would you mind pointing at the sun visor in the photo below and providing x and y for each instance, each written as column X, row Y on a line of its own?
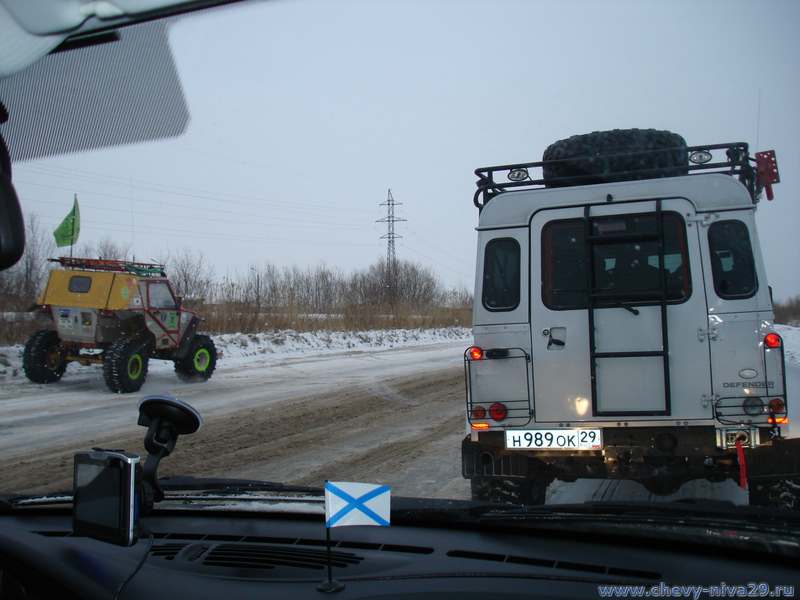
column 115, row 89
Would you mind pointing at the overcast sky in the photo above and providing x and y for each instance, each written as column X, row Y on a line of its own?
column 304, row 113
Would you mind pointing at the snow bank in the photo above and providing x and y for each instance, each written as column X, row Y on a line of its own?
column 791, row 342
column 239, row 348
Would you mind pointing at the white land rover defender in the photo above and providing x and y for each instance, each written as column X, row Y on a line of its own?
column 623, row 324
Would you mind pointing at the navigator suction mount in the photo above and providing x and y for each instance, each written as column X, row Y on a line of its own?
column 166, row 418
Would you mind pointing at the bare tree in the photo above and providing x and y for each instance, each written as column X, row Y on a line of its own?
column 367, row 287
column 109, row 249
column 191, row 276
column 261, row 293
column 326, row 287
column 21, row 284
column 458, row 298
column 417, row 286
column 408, row 284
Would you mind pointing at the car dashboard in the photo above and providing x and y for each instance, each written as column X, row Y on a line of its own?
column 216, row 552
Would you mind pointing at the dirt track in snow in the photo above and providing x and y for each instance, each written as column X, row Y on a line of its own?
column 393, row 417
column 404, row 432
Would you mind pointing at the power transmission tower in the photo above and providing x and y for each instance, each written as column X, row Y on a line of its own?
column 390, row 220
column 391, row 236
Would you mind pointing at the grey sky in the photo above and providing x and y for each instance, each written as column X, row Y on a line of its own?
column 305, row 112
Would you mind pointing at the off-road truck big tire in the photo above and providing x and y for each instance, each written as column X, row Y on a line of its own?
column 199, row 364
column 125, row 365
column 43, row 357
column 643, row 154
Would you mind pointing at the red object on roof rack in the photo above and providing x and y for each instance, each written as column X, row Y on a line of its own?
column 99, row 264
column 767, row 171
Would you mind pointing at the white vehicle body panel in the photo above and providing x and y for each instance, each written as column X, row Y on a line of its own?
column 710, row 341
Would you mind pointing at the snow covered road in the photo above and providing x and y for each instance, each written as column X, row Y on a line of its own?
column 293, row 408
column 80, row 407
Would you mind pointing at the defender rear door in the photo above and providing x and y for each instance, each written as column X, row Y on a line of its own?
column 615, row 318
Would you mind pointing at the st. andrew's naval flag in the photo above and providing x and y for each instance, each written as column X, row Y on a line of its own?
column 348, row 503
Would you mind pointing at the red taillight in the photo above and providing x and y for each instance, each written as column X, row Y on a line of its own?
column 498, row 411
column 772, row 340
column 776, row 405
column 475, row 353
column 480, row 426
column 44, row 308
column 478, row 412
column 106, row 313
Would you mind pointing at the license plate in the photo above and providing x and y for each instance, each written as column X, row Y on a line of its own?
column 65, row 322
column 554, row 439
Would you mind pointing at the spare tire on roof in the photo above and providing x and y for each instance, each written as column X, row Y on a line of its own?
column 616, row 155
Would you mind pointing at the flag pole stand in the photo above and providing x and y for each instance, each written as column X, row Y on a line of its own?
column 330, row 585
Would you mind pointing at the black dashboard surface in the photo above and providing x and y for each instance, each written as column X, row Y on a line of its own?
column 227, row 554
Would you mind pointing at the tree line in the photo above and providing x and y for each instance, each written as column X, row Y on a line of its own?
column 261, row 297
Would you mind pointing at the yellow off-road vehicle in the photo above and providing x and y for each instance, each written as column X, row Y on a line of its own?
column 118, row 314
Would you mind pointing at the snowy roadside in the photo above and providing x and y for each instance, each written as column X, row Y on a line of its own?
column 791, row 342
column 237, row 349
column 264, row 348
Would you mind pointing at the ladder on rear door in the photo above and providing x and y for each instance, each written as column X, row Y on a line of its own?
column 602, row 299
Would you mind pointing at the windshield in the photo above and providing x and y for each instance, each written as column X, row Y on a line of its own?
column 307, row 187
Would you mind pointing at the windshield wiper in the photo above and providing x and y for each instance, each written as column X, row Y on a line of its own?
column 173, row 486
column 220, row 485
column 214, row 485
column 9, row 502
column 694, row 510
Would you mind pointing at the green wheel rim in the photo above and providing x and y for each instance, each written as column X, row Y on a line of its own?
column 135, row 366
column 201, row 360
column 52, row 358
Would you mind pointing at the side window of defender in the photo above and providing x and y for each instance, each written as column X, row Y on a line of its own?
column 501, row 275
column 732, row 263
column 160, row 296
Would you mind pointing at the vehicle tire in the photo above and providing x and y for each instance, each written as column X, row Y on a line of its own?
column 43, row 357
column 510, row 491
column 125, row 365
column 644, row 154
column 776, row 493
column 200, row 362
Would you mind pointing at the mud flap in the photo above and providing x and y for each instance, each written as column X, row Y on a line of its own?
column 186, row 341
column 478, row 460
column 772, row 474
column 497, row 475
column 780, row 459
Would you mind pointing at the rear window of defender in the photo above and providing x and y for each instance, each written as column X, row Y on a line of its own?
column 501, row 274
column 624, row 252
column 732, row 263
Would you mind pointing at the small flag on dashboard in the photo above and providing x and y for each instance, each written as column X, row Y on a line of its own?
column 348, row 503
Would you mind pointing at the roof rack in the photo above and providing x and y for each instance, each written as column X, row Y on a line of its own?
column 604, row 168
column 119, row 266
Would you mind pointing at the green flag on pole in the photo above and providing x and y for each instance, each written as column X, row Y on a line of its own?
column 66, row 234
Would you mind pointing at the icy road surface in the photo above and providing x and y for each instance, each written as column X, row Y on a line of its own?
column 383, row 407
